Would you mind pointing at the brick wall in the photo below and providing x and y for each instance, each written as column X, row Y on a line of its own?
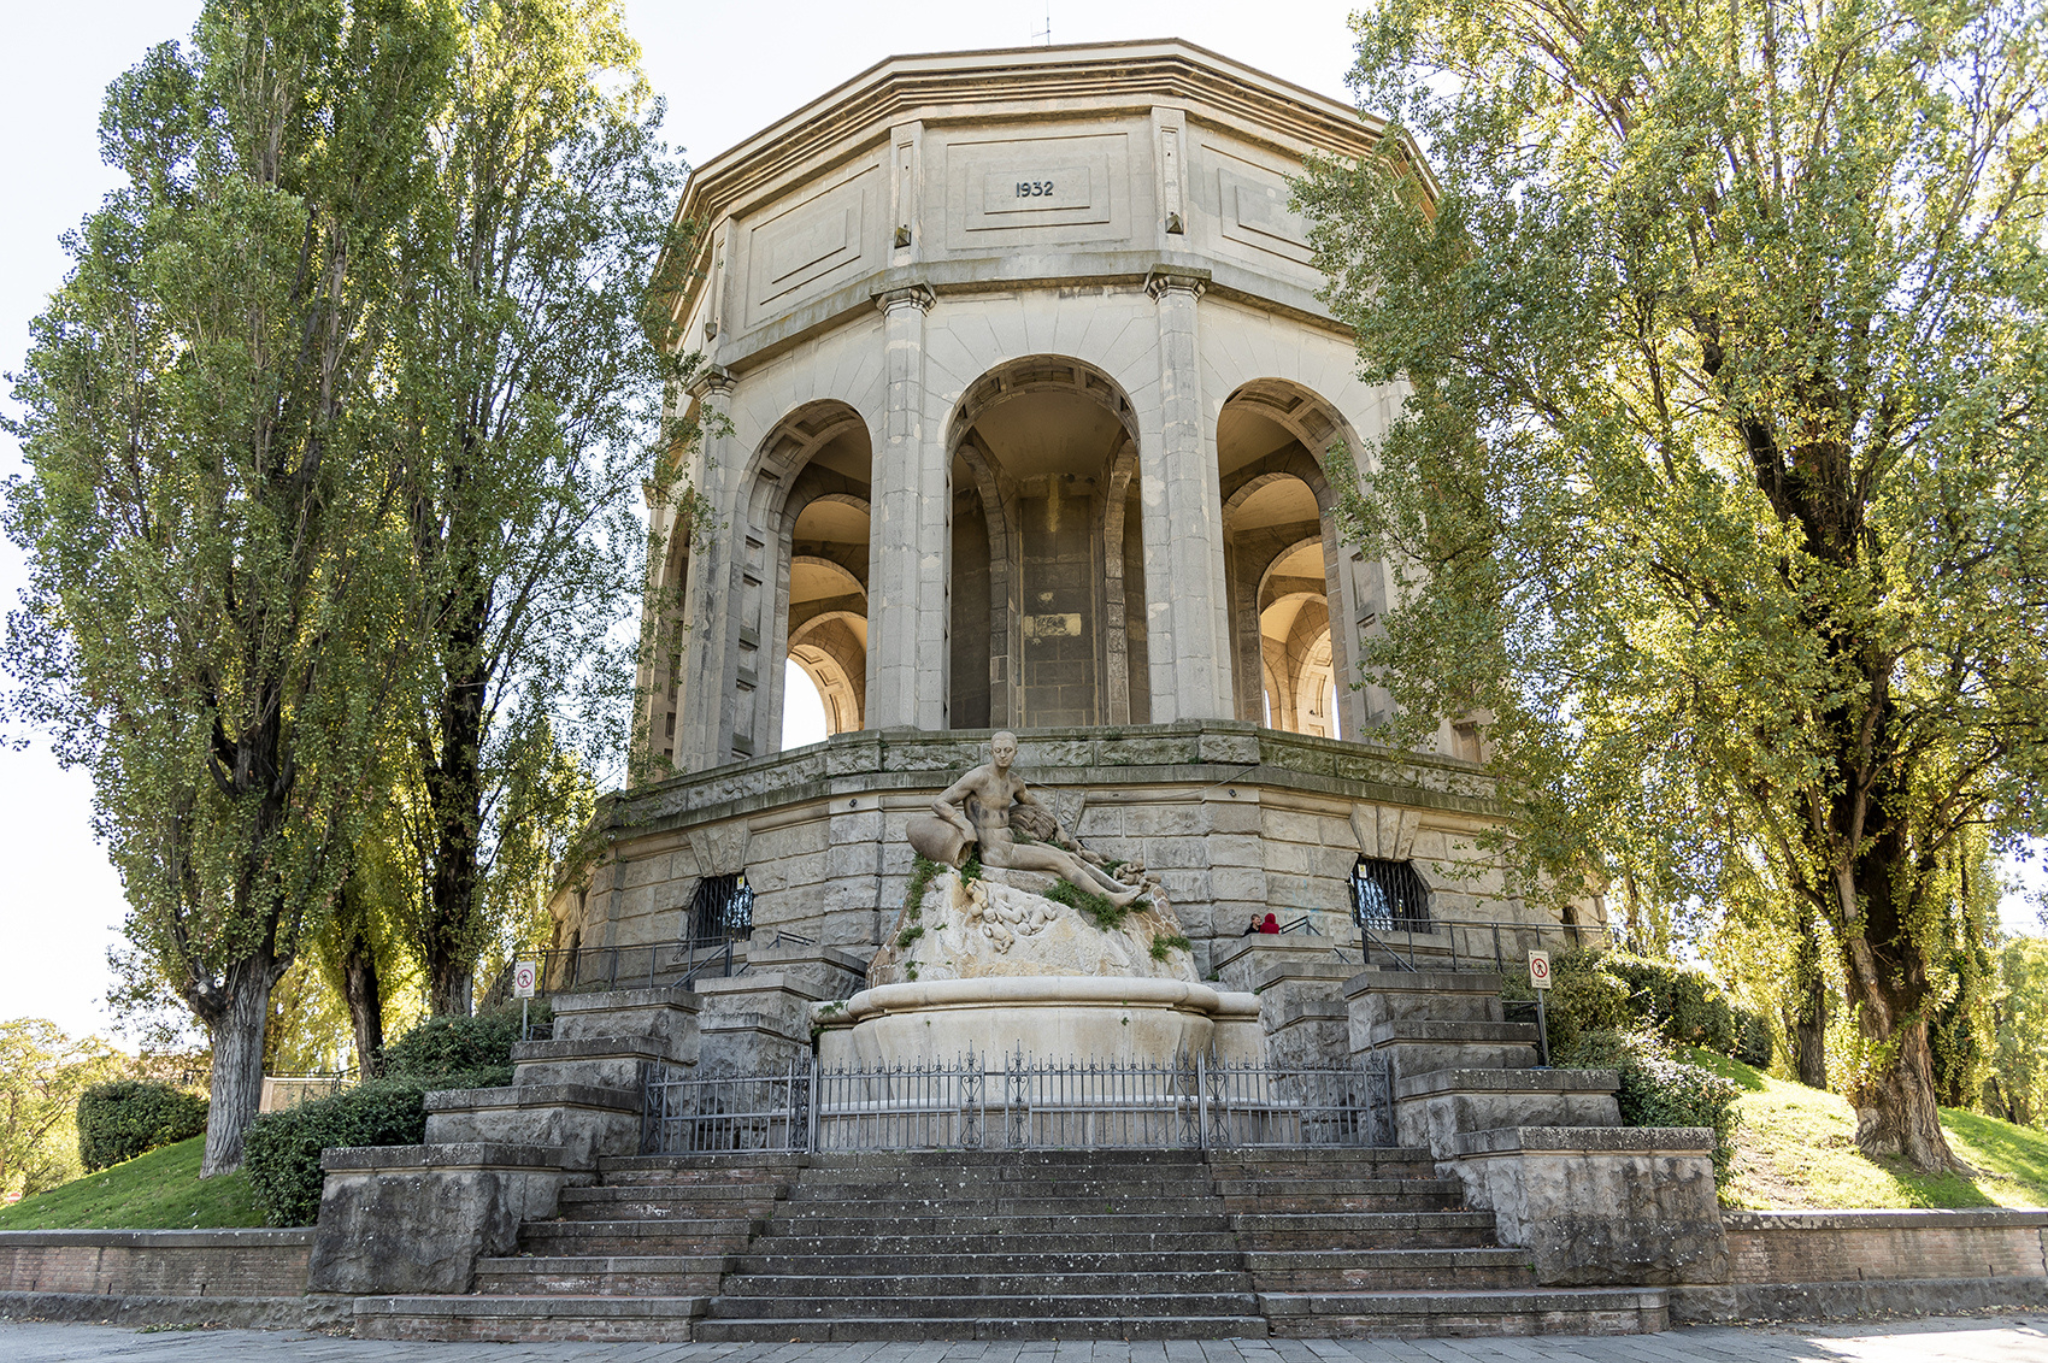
column 165, row 1263
column 1824, row 1247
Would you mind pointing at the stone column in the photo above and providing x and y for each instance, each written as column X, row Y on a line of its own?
column 910, row 544
column 1187, row 607
column 711, row 616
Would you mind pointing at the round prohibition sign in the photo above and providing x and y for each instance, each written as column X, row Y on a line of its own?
column 523, row 979
column 1539, row 968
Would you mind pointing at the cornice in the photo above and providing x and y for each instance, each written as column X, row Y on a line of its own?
column 1011, row 83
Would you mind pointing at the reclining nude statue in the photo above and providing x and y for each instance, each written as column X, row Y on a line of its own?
column 990, row 806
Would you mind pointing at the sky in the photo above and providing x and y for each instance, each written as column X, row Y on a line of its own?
column 727, row 72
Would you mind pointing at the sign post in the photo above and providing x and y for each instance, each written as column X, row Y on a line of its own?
column 1539, row 980
column 523, row 975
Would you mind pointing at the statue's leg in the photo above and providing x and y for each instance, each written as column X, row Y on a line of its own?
column 1038, row 856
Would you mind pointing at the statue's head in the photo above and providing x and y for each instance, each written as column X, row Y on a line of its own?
column 1002, row 748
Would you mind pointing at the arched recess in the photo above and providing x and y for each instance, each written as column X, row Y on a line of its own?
column 809, row 600
column 1048, row 593
column 1297, row 597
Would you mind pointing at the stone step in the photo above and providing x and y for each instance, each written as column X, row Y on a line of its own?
column 514, row 1319
column 799, row 1329
column 606, row 1238
column 993, row 1208
column 647, row 1275
column 1390, row 1270
column 872, row 1305
column 973, row 1242
column 1093, row 1160
column 653, row 1204
column 738, row 1167
column 1333, row 1187
column 709, row 1194
column 1415, row 1315
column 869, row 1284
column 941, row 1221
column 908, row 1265
column 1060, row 1184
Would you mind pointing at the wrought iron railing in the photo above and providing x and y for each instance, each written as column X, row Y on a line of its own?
column 566, row 971
column 1020, row 1103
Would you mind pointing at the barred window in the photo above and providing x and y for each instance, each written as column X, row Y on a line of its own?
column 1388, row 894
column 723, row 909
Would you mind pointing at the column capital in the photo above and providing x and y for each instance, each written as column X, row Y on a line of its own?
column 1172, row 278
column 918, row 296
column 715, row 381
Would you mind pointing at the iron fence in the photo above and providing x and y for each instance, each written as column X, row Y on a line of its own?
column 1473, row 946
column 1022, row 1104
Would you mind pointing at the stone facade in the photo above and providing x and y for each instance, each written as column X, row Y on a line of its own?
column 1020, row 411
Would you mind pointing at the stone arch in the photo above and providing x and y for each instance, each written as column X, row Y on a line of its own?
column 1273, row 434
column 1033, row 443
column 814, row 467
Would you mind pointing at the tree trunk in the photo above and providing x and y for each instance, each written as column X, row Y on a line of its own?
column 1810, row 1022
column 365, row 994
column 1895, row 1109
column 1896, row 1113
column 237, row 1088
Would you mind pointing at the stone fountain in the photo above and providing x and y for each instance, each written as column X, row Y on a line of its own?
column 1016, row 938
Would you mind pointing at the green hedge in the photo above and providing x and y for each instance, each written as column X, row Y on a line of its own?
column 1754, row 1045
column 130, row 1117
column 1659, row 1089
column 282, row 1155
column 1598, row 991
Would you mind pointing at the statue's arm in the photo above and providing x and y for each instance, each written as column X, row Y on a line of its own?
column 951, row 804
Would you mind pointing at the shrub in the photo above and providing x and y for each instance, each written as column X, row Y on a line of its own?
column 131, row 1117
column 452, row 1045
column 1583, row 998
column 1753, row 1044
column 1659, row 1089
column 282, row 1154
column 1685, row 1005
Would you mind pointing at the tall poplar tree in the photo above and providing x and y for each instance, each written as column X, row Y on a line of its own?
column 1721, row 483
column 531, row 400
column 210, row 515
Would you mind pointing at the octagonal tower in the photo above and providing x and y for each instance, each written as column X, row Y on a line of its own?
column 1022, row 412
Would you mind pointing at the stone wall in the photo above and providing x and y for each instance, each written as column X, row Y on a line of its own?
column 1849, row 1264
column 229, row 1277
column 1239, row 821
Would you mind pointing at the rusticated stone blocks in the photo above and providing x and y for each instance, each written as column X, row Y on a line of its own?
column 415, row 1218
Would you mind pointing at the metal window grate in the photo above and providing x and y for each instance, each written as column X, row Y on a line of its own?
column 1388, row 894
column 723, row 909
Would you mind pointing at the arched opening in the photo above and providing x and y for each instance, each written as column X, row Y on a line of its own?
column 824, row 458
column 1289, row 602
column 1048, row 579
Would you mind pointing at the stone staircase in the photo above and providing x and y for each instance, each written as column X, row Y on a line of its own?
column 1104, row 1244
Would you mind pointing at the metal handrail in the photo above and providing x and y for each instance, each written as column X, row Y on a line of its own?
column 1501, row 943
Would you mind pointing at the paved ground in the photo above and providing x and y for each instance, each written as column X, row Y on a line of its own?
column 2000, row 1339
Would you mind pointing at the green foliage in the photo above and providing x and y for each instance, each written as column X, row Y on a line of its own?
column 284, row 1148
column 1659, row 1089
column 161, row 1190
column 2017, row 1089
column 970, row 871
column 43, row 1072
column 130, row 1117
column 1583, row 998
column 1719, row 484
column 1166, row 942
column 1681, row 1001
column 1753, row 1041
column 922, row 869
column 1105, row 915
column 441, row 1046
column 908, row 936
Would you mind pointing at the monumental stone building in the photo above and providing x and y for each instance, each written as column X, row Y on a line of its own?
column 1022, row 412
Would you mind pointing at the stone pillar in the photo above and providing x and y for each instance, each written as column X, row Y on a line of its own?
column 711, row 617
column 910, row 540
column 1187, row 607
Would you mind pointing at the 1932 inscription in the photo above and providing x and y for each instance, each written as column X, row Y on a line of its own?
column 1038, row 189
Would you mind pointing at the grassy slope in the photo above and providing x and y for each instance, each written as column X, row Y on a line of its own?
column 1796, row 1150
column 161, row 1190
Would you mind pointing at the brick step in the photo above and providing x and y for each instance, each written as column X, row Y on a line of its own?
column 867, row 1284
column 785, row 1330
column 983, row 1265
column 1417, row 1315
column 942, row 1220
column 1391, row 1270
column 513, row 1319
column 645, row 1275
